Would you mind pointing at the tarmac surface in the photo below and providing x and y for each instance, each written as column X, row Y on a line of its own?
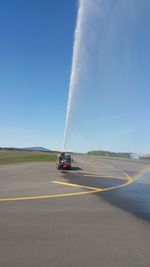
column 97, row 214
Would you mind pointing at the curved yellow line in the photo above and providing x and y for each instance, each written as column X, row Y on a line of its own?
column 49, row 196
column 93, row 190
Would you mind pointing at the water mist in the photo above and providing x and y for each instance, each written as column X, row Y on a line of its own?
column 109, row 65
column 75, row 63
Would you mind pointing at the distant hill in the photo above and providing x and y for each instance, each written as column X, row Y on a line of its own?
column 109, row 154
column 36, row 148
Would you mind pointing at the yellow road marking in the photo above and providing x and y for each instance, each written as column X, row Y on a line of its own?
column 76, row 185
column 118, row 186
column 104, row 176
column 93, row 190
column 49, row 196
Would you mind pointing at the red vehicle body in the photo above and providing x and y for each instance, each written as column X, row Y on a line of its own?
column 64, row 163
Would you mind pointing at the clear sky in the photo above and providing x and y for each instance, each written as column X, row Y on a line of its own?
column 111, row 108
column 36, row 40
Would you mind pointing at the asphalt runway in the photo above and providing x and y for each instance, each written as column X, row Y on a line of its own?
column 97, row 214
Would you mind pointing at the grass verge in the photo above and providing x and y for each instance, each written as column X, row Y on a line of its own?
column 7, row 157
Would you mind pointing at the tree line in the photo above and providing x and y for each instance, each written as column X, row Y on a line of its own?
column 110, row 154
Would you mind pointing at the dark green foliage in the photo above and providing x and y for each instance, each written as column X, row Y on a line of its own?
column 110, row 154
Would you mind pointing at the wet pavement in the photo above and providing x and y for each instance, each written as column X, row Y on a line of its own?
column 107, row 228
column 134, row 198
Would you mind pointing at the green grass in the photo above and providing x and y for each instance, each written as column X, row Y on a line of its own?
column 7, row 157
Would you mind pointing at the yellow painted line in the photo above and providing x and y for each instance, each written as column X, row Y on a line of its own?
column 93, row 190
column 130, row 180
column 77, row 185
column 50, row 196
column 118, row 186
column 104, row 176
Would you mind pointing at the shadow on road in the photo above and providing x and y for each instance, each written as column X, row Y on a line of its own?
column 134, row 198
column 75, row 168
column 72, row 169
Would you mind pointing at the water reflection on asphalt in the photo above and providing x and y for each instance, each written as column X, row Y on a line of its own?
column 134, row 198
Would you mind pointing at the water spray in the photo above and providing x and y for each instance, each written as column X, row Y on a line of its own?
column 102, row 62
column 75, row 66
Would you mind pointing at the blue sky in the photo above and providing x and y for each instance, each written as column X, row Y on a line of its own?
column 111, row 107
column 35, row 52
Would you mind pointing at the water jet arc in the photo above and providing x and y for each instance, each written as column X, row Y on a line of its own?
column 75, row 67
